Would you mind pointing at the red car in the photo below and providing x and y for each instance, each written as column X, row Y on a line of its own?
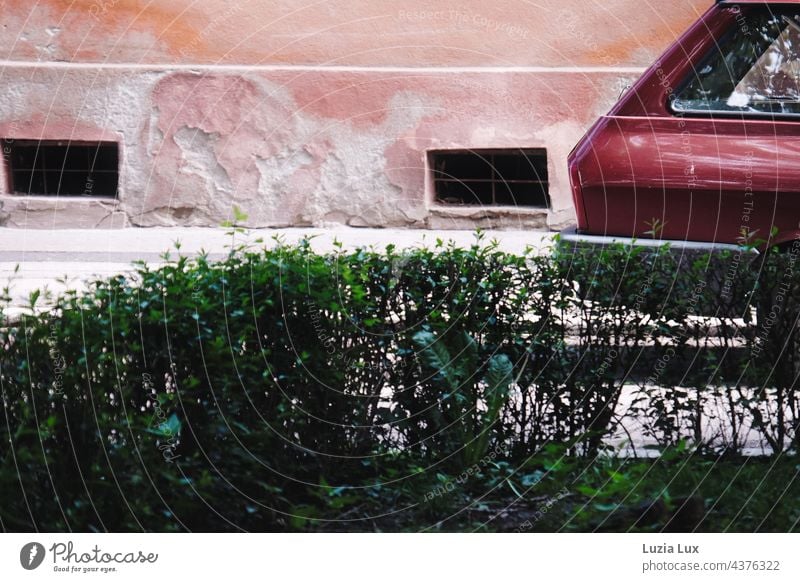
column 705, row 147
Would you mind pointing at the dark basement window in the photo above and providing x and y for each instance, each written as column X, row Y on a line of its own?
column 63, row 168
column 491, row 178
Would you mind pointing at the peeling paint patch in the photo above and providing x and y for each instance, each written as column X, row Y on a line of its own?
column 198, row 157
column 193, row 145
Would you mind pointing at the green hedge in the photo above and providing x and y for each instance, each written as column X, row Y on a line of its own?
column 225, row 395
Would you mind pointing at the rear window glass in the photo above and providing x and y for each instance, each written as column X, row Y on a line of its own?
column 755, row 68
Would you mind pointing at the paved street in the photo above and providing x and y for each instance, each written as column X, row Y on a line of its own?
column 46, row 256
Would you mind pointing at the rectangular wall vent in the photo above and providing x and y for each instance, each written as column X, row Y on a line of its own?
column 491, row 178
column 62, row 168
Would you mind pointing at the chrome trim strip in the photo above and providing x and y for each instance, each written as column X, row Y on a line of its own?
column 571, row 235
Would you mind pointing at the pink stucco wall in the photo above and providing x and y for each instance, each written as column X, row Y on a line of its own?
column 313, row 113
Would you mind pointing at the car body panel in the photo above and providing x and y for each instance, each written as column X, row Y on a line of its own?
column 644, row 171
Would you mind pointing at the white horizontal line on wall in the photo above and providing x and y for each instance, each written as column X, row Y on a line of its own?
column 313, row 68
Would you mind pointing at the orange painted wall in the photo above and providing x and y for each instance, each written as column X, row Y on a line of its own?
column 313, row 113
column 355, row 32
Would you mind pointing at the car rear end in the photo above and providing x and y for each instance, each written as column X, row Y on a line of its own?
column 698, row 153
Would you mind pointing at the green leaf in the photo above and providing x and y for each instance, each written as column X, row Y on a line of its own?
column 301, row 514
column 465, row 354
column 499, row 375
column 238, row 215
column 168, row 428
column 436, row 356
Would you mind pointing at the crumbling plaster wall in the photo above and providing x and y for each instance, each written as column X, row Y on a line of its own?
column 289, row 149
column 312, row 115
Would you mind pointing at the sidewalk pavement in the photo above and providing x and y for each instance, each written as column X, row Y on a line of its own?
column 42, row 257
